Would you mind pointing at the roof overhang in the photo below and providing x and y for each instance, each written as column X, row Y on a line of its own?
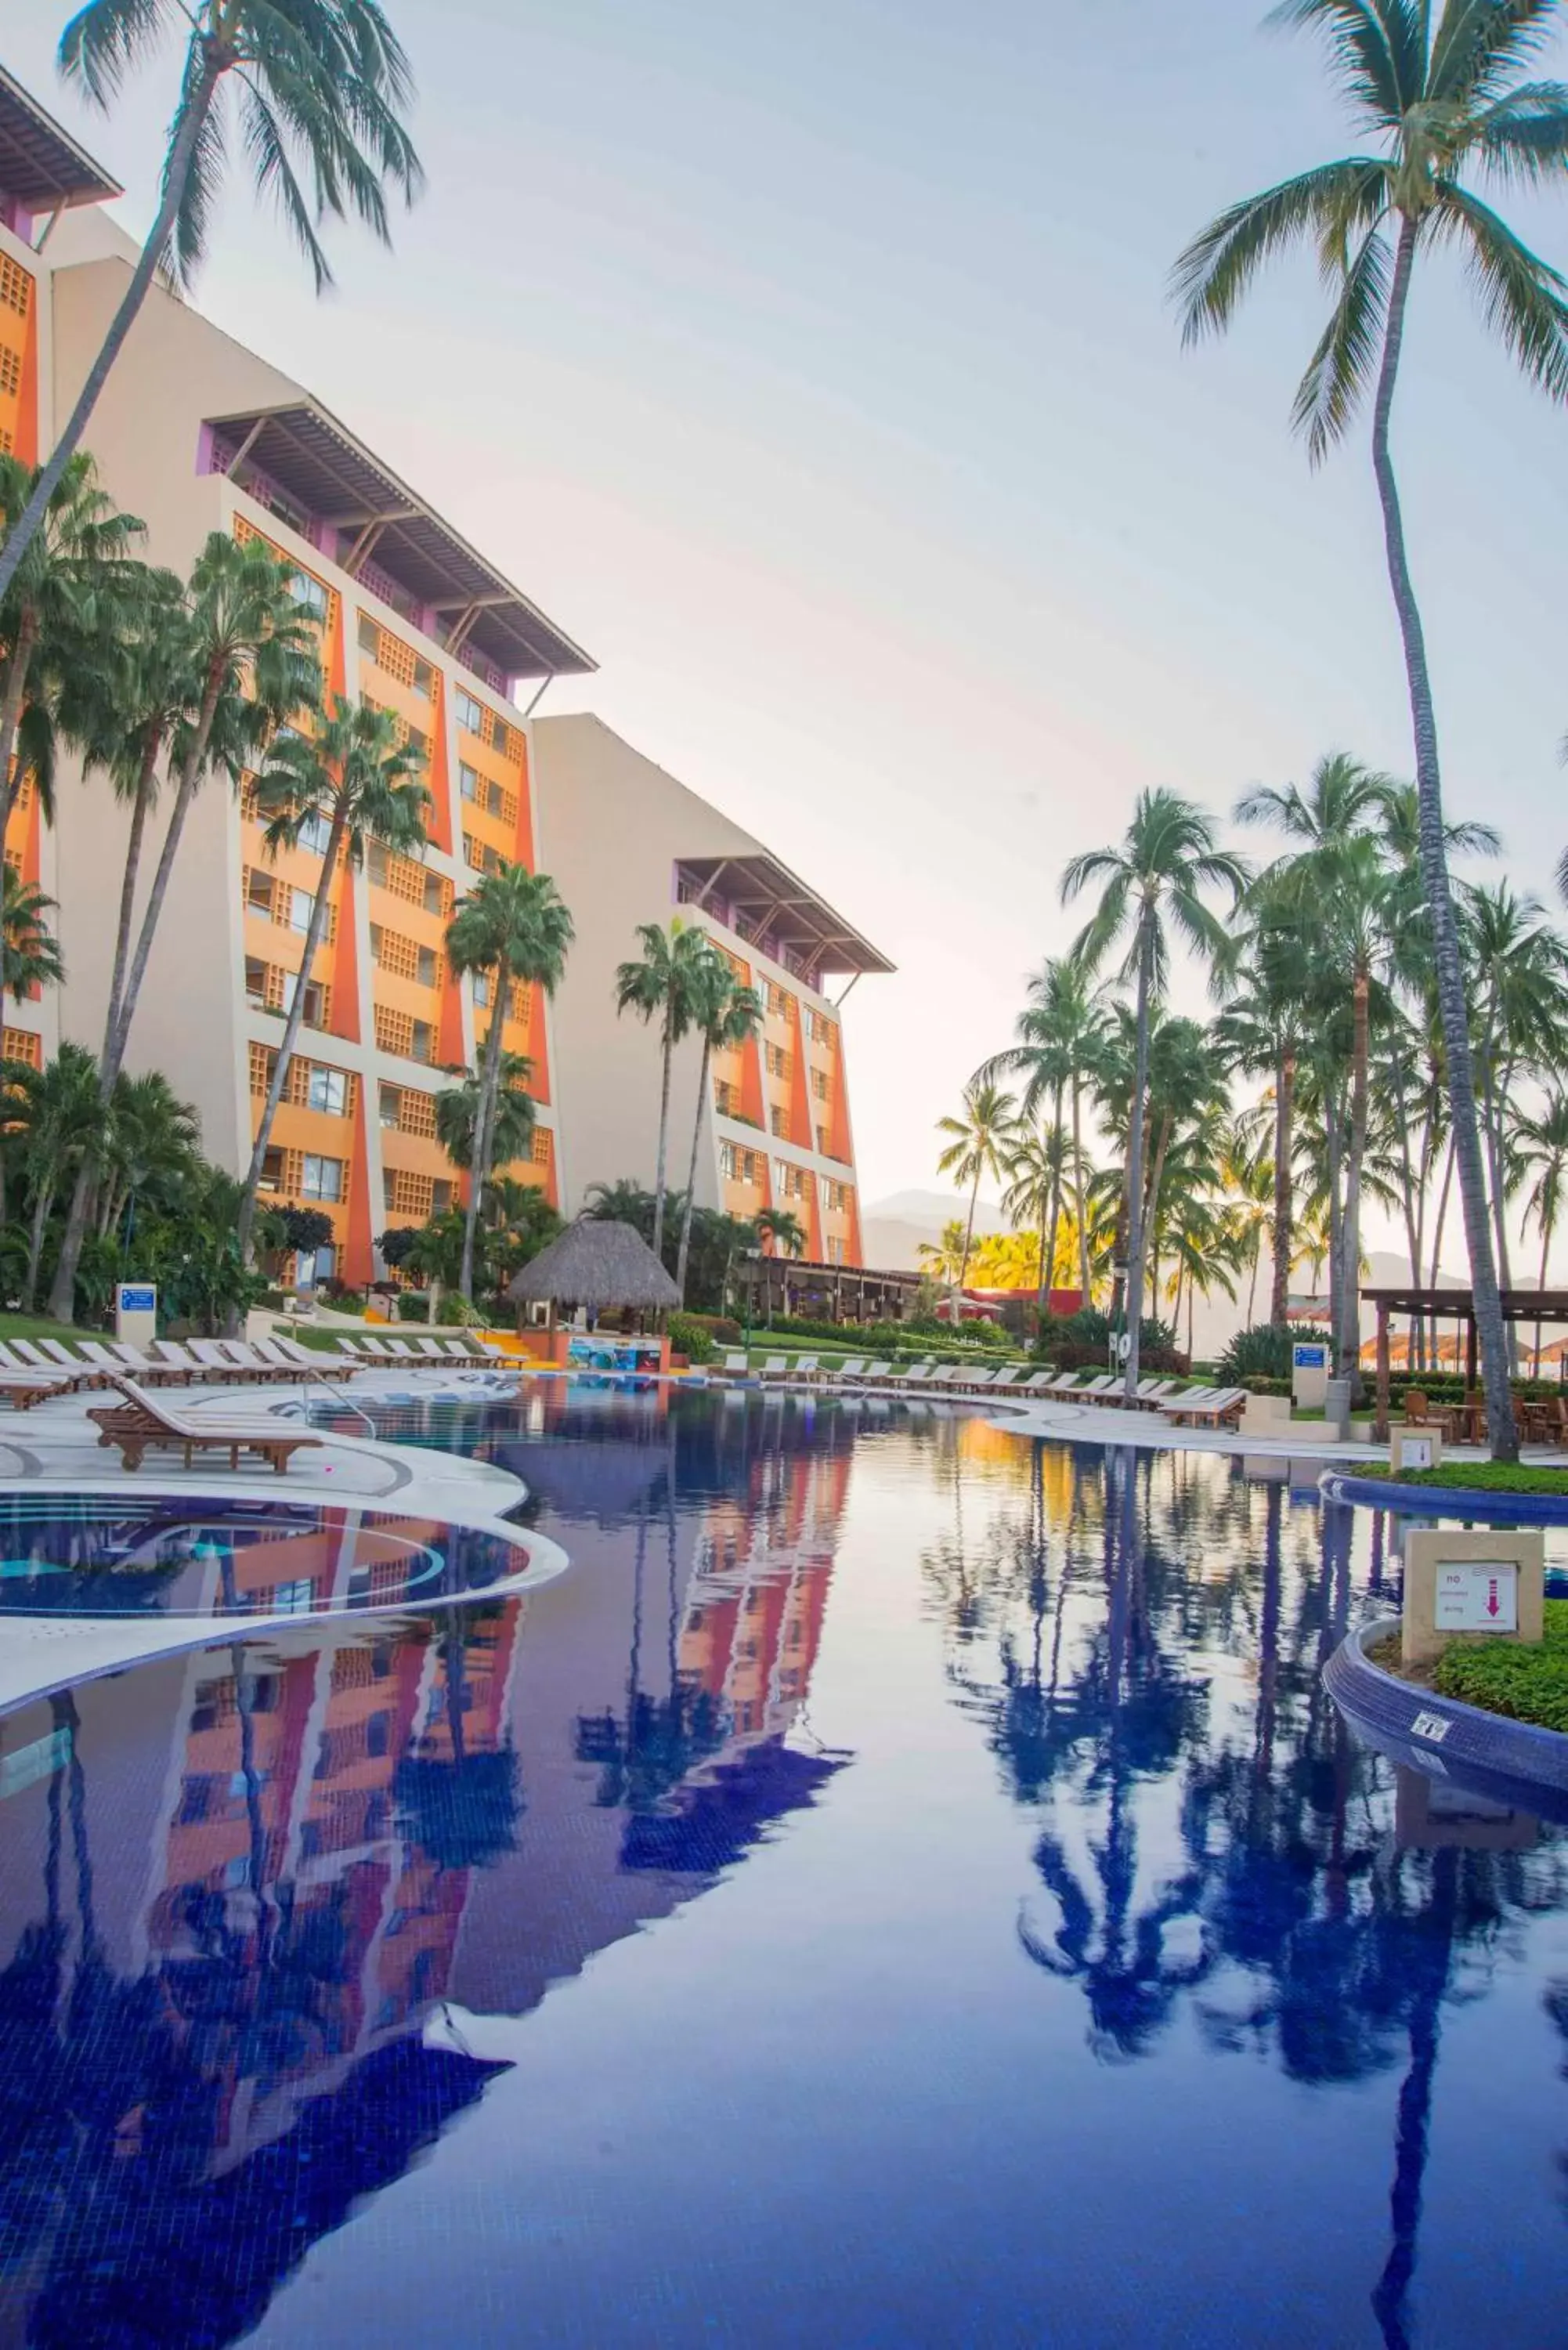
column 777, row 904
column 318, row 462
column 40, row 164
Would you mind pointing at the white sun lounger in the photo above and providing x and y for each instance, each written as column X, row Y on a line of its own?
column 852, row 1369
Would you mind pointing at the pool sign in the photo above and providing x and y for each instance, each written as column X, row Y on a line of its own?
column 1477, row 1597
column 1309, row 1374
column 1305, row 1357
column 136, row 1313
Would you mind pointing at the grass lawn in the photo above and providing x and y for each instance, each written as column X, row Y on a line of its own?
column 1476, row 1476
column 38, row 1326
column 1526, row 1684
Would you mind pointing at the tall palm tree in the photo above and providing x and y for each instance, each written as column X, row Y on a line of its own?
column 1262, row 1032
column 980, row 1141
column 78, row 563
column 1037, row 1168
column 1446, row 96
column 29, row 951
column 782, row 1230
column 1518, row 987
column 64, row 1127
column 511, row 1131
column 323, row 89
column 726, row 1013
column 512, row 926
column 355, row 774
column 251, row 656
column 1167, row 858
column 1061, row 1038
column 1247, row 1172
column 667, row 984
column 151, row 1142
column 1541, row 1142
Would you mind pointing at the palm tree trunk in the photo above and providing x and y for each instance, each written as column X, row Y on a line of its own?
column 1334, row 1153
column 185, row 791
column 1284, row 1203
column 41, row 1206
column 484, row 1125
column 215, row 61
column 11, row 698
column 691, row 1177
column 669, row 1054
column 1079, row 1200
column 291, row 1027
column 1253, row 1284
column 62, row 1292
column 1450, row 987
column 1350, row 1277
column 969, row 1235
column 1048, row 1261
column 1135, row 1156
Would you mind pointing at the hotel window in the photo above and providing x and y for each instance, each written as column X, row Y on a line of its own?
column 819, row 1083
column 425, row 967
column 391, row 1104
column 320, row 1179
column 469, row 712
column 302, row 906
column 822, row 1031
column 424, row 679
column 778, row 1061
column 272, row 1167
column 261, row 893
column 779, row 1119
column 328, row 1091
column 540, row 1148
column 314, row 833
column 441, row 1196
column 436, row 897
column 468, row 780
column 310, row 595
column 317, row 1000
column 726, row 1157
column 422, row 1047
column 725, row 1097
column 481, row 989
column 371, row 638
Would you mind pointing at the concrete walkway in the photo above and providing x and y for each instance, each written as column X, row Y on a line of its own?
column 54, row 1449
column 1068, row 1423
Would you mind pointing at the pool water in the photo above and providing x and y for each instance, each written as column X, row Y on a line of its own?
column 89, row 1555
column 903, row 1885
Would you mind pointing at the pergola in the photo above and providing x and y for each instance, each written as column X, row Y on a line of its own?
column 825, row 1292
column 1453, row 1306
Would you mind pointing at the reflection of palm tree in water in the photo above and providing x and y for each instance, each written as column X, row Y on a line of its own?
column 462, row 1809
column 645, row 1754
column 1130, row 1977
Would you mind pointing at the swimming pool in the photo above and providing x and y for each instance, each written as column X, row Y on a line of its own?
column 190, row 1554
column 904, row 1884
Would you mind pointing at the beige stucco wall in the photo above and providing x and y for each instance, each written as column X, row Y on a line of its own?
column 175, row 370
column 610, row 826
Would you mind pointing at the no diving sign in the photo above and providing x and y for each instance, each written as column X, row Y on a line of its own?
column 1477, row 1597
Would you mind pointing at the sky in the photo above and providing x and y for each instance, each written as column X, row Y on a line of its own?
column 814, row 369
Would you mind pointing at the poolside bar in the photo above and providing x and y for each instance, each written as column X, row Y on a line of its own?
column 1426, row 1305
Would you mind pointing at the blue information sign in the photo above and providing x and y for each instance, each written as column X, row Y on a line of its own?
column 1309, row 1357
column 137, row 1297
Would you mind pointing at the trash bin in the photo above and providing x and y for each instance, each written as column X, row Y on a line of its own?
column 1336, row 1408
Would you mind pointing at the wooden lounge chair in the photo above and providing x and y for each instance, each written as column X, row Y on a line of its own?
column 219, row 1362
column 58, row 1357
column 875, row 1375
column 316, row 1367
column 171, row 1351
column 1038, row 1383
column 734, row 1367
column 23, row 1390
column 113, row 1360
column 22, row 1358
column 1008, row 1377
column 806, row 1370
column 1221, row 1404
column 850, row 1370
column 458, row 1350
column 775, row 1367
column 946, row 1375
column 913, row 1375
column 142, row 1424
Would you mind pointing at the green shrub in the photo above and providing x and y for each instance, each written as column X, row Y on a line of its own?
column 413, row 1305
column 687, row 1336
column 1528, row 1684
column 1476, row 1476
column 722, row 1329
column 1263, row 1352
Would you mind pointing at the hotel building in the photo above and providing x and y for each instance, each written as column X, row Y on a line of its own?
column 193, row 433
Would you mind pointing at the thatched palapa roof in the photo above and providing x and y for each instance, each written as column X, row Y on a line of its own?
column 597, row 1264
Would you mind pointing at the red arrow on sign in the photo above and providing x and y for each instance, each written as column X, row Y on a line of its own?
column 1491, row 1603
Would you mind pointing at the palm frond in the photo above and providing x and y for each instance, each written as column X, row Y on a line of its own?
column 204, row 175
column 268, row 149
column 1325, row 205
column 1523, row 299
column 1522, row 141
column 105, row 40
column 1379, row 49
column 1344, row 364
column 1480, row 44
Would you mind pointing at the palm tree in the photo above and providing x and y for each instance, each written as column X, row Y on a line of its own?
column 1167, row 858
column 981, row 1142
column 1518, row 985
column 1061, row 1042
column 64, row 1127
column 29, row 951
column 782, row 1228
column 1445, row 94
column 945, row 1259
column 667, row 984
column 512, row 927
column 78, row 563
column 1247, row 1172
column 1542, row 1143
column 1037, row 1166
column 324, row 86
column 512, row 1132
column 151, row 1140
column 355, row 774
column 726, row 1013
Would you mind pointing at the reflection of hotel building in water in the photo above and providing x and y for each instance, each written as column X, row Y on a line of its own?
column 194, row 433
column 287, row 1873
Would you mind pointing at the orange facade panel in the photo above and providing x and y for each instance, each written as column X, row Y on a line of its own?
column 18, row 362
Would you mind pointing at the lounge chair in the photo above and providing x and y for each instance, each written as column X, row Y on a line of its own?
column 734, row 1367
column 1008, row 1377
column 58, row 1357
column 181, row 1359
column 458, row 1350
column 1037, row 1383
column 215, row 1358
column 314, row 1367
column 23, row 1390
column 851, row 1368
column 913, row 1375
column 806, row 1370
column 1152, row 1393
column 875, row 1375
column 141, row 1424
column 21, row 1356
column 946, row 1375
column 1097, row 1387
column 775, row 1367
column 1219, row 1404
column 971, row 1379
column 116, row 1359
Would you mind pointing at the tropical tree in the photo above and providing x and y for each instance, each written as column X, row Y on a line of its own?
column 980, row 1141
column 253, row 662
column 61, row 600
column 1061, row 1038
column 457, row 1109
column 29, row 951
column 1037, row 1168
column 323, row 89
column 1247, row 1174
column 670, row 983
column 510, row 929
column 151, row 1147
column 1446, row 96
column 353, row 773
column 1519, row 989
column 781, row 1230
column 1540, row 1144
column 726, row 1014
column 1157, row 876
column 63, row 1117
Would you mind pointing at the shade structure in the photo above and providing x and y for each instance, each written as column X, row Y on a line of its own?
column 598, row 1264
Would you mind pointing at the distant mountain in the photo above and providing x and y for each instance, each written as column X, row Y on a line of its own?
column 892, row 1230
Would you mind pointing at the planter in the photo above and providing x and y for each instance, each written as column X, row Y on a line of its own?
column 1511, row 1762
column 1466, row 1502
